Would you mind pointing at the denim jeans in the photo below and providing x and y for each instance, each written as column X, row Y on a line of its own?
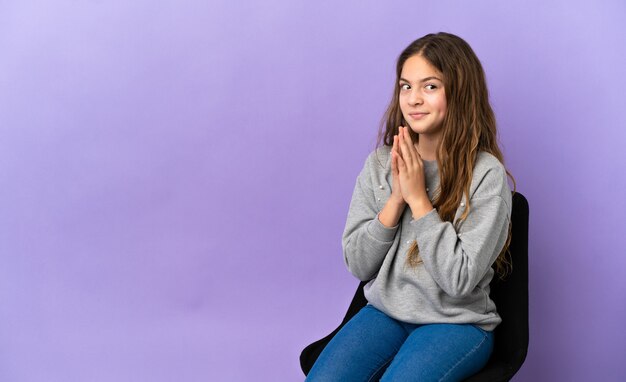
column 373, row 346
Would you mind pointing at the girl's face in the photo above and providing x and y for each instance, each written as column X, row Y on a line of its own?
column 422, row 96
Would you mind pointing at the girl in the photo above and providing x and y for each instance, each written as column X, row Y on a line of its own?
column 429, row 216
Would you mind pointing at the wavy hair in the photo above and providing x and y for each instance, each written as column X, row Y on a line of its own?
column 468, row 127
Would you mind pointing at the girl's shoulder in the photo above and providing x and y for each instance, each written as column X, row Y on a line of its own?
column 383, row 151
column 487, row 161
column 490, row 177
column 380, row 157
column 379, row 160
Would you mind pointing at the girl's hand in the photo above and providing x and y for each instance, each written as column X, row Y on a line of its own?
column 396, row 193
column 411, row 169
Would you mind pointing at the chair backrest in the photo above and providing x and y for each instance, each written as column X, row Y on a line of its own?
column 511, row 294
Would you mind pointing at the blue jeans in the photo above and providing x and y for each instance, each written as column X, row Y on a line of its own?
column 373, row 346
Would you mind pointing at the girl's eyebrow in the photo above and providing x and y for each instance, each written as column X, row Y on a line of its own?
column 422, row 80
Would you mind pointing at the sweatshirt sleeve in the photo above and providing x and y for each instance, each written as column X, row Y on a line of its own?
column 458, row 261
column 365, row 239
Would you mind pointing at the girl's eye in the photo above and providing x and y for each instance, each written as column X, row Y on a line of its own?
column 402, row 86
column 431, row 87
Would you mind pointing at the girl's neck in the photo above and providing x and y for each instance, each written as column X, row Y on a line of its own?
column 427, row 147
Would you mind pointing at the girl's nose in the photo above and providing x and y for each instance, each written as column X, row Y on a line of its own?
column 415, row 98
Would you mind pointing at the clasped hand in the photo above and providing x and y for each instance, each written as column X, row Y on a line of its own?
column 409, row 184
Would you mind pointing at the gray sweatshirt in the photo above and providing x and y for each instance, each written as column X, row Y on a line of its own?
column 451, row 285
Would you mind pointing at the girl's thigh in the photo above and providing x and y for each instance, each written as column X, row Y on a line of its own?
column 361, row 350
column 441, row 352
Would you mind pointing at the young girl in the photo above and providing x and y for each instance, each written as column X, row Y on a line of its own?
column 429, row 216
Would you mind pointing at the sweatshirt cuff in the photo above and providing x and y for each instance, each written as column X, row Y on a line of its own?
column 380, row 232
column 425, row 222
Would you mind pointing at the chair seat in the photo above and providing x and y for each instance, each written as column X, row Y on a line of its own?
column 495, row 371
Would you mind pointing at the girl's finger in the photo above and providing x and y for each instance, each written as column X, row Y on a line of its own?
column 417, row 154
column 407, row 136
column 400, row 163
column 396, row 149
column 406, row 155
column 396, row 143
column 409, row 143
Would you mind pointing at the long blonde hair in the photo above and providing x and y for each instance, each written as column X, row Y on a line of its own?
column 469, row 127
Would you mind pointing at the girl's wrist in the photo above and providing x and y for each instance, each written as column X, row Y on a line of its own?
column 399, row 201
column 420, row 207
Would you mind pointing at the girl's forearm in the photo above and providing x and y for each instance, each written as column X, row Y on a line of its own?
column 391, row 213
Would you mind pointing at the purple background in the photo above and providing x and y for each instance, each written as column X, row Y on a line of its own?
column 175, row 177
